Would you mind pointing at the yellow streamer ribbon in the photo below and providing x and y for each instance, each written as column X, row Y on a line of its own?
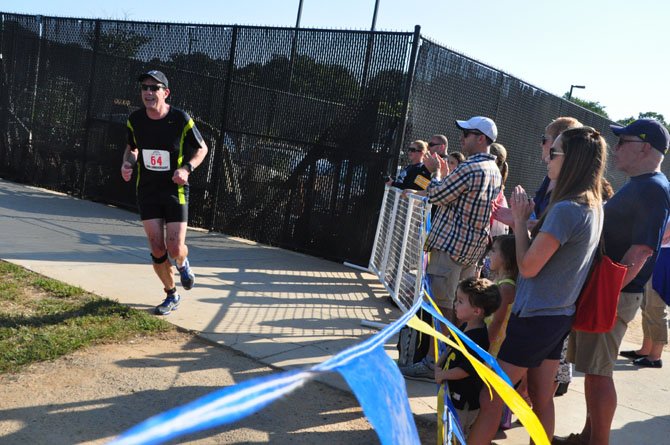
column 508, row 394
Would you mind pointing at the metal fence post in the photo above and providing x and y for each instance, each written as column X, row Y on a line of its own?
column 4, row 100
column 408, row 91
column 221, row 148
column 36, row 78
column 88, row 121
column 500, row 94
column 366, row 64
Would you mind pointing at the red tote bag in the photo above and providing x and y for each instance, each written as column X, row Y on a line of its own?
column 597, row 303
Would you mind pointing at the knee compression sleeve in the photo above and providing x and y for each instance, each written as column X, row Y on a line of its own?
column 159, row 260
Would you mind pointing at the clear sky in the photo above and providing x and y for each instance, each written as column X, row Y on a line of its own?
column 618, row 49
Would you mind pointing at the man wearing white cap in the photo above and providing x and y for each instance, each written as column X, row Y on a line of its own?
column 460, row 228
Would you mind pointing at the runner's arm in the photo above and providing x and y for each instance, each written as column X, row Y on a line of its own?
column 128, row 163
column 199, row 155
column 182, row 174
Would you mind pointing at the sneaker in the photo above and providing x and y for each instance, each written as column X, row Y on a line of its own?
column 171, row 303
column 572, row 439
column 418, row 371
column 186, row 275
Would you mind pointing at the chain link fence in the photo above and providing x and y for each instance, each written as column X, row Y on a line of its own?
column 302, row 124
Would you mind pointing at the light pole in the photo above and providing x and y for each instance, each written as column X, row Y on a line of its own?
column 368, row 51
column 374, row 16
column 294, row 44
column 297, row 19
column 574, row 86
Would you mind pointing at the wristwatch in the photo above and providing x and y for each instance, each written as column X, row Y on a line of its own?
column 188, row 166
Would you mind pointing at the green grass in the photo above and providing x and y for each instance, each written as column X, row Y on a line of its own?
column 43, row 319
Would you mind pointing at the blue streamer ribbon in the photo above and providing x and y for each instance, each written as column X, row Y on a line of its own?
column 484, row 355
column 372, row 375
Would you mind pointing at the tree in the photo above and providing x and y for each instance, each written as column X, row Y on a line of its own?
column 332, row 82
column 199, row 62
column 123, row 44
column 646, row 115
column 596, row 106
column 387, row 87
column 652, row 115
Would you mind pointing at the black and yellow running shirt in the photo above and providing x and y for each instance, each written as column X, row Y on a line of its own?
column 164, row 145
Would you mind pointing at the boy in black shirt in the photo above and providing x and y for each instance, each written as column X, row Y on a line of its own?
column 476, row 298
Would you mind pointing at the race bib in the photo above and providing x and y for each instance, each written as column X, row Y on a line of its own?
column 156, row 160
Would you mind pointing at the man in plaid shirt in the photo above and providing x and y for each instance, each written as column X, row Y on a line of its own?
column 460, row 228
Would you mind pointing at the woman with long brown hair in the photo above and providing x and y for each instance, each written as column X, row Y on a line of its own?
column 554, row 261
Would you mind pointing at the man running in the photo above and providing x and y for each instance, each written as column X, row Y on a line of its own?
column 165, row 146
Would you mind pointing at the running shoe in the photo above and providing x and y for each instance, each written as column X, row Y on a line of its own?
column 186, row 275
column 171, row 303
column 418, row 371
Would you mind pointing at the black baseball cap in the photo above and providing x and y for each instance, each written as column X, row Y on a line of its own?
column 649, row 130
column 158, row 76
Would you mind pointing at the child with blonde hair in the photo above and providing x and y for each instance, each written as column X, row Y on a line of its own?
column 504, row 270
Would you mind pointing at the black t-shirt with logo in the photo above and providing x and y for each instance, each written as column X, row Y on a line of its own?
column 467, row 390
column 414, row 176
column 164, row 145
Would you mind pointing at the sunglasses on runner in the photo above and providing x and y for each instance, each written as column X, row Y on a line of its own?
column 153, row 88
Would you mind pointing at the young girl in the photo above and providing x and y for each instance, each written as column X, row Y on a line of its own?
column 454, row 159
column 500, row 152
column 554, row 261
column 502, row 263
column 502, row 258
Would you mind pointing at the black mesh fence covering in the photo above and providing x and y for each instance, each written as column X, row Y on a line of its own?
column 449, row 86
column 301, row 124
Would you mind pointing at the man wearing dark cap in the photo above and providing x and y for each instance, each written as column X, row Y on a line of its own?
column 461, row 225
column 164, row 147
column 634, row 223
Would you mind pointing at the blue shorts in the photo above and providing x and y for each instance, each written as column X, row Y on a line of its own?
column 530, row 340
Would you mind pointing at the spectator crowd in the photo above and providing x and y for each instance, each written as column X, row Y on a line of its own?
column 508, row 268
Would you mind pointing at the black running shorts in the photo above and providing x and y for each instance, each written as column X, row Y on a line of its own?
column 163, row 205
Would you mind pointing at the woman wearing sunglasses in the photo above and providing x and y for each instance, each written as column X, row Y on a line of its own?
column 541, row 200
column 554, row 261
column 415, row 176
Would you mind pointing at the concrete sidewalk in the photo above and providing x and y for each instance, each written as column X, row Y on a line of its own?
column 282, row 308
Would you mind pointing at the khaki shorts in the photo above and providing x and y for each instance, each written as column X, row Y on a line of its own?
column 654, row 316
column 445, row 274
column 467, row 418
column 595, row 354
